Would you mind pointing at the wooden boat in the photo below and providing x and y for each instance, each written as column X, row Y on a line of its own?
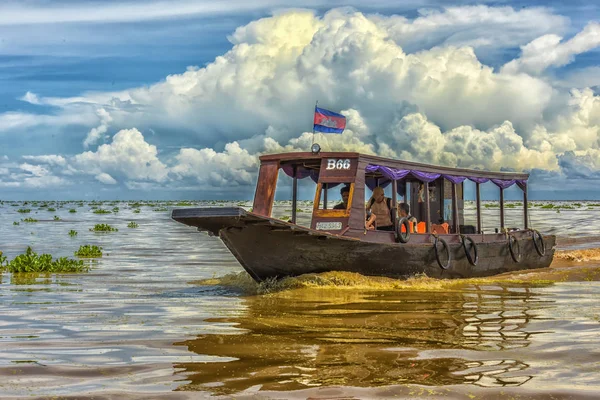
column 337, row 239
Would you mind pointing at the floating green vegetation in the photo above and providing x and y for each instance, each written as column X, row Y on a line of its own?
column 136, row 205
column 56, row 218
column 103, row 228
column 72, row 233
column 161, row 209
column 24, row 210
column 548, row 206
column 115, row 210
column 350, row 280
column 30, row 220
column 488, row 205
column 52, row 209
column 89, row 251
column 136, row 211
column 101, row 211
column 184, row 204
column 16, row 223
column 132, row 225
column 577, row 204
column 32, row 262
column 2, row 260
column 72, row 210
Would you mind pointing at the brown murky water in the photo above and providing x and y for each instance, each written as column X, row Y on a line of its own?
column 140, row 326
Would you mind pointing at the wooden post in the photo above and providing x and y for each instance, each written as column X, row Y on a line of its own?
column 525, row 208
column 427, row 209
column 478, row 192
column 501, row 209
column 394, row 201
column 455, row 220
column 294, row 194
column 325, row 196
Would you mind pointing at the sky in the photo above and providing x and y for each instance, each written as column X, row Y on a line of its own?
column 107, row 99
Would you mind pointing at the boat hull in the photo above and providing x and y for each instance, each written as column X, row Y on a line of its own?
column 269, row 248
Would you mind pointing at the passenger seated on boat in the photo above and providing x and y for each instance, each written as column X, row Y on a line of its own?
column 381, row 206
column 370, row 221
column 345, row 193
column 442, row 228
column 404, row 212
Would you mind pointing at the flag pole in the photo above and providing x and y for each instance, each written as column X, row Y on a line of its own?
column 313, row 129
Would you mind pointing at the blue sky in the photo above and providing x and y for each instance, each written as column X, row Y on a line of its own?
column 154, row 99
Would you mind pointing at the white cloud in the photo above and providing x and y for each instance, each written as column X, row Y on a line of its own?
column 547, row 51
column 35, row 170
column 106, row 179
column 129, row 155
column 98, row 132
column 47, row 159
column 439, row 105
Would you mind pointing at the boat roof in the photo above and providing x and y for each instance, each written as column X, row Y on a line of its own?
column 311, row 160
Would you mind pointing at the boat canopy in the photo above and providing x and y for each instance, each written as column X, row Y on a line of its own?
column 395, row 174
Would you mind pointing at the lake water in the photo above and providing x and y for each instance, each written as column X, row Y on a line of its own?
column 136, row 326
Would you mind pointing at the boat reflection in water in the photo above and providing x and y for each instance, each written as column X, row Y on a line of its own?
column 319, row 338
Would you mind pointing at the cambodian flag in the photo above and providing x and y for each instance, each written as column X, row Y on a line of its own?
column 328, row 122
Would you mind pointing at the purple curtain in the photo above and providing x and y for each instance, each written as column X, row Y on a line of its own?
column 425, row 176
column 390, row 173
column 301, row 172
column 504, row 183
column 478, row 180
column 522, row 183
column 455, row 179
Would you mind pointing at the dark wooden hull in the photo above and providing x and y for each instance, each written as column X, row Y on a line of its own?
column 270, row 248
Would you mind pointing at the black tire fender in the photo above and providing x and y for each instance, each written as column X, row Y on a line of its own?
column 472, row 260
column 402, row 237
column 541, row 248
column 515, row 248
column 437, row 252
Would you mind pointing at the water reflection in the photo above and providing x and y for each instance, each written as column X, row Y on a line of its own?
column 315, row 338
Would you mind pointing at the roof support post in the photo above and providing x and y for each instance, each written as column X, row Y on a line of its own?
column 525, row 208
column 394, row 201
column 427, row 209
column 501, row 209
column 294, row 194
column 325, row 196
column 478, row 193
column 455, row 220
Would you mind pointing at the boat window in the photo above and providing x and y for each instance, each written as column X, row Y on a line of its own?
column 335, row 196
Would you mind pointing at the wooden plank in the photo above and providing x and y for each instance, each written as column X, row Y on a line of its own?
column 455, row 218
column 394, row 201
column 338, row 170
column 478, row 193
column 427, row 208
column 525, row 208
column 265, row 188
column 357, row 207
column 294, row 195
column 501, row 209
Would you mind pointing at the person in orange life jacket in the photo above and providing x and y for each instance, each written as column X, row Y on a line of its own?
column 404, row 212
column 381, row 206
column 345, row 193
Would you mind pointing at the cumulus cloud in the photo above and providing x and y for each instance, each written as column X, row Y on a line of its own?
column 549, row 50
column 106, row 179
column 128, row 155
column 410, row 88
column 98, row 132
column 47, row 159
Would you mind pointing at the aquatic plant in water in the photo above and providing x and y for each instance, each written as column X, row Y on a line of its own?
column 103, row 228
column 72, row 233
column 101, row 211
column 29, row 220
column 56, row 218
column 132, row 225
column 89, row 251
column 2, row 260
column 24, row 210
column 136, row 211
column 72, row 210
column 52, row 209
column 16, row 223
column 32, row 262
